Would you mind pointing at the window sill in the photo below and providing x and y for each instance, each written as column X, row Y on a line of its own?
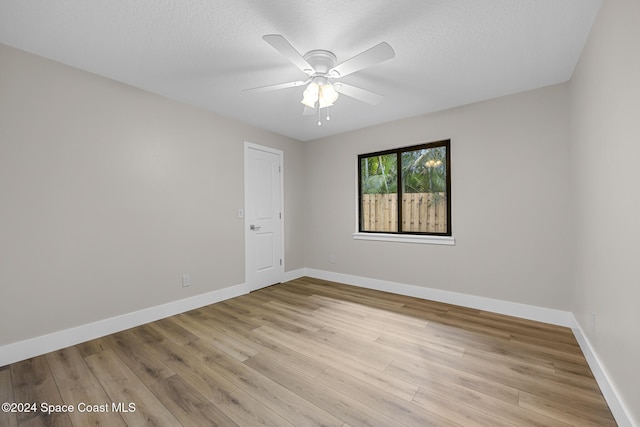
column 406, row 238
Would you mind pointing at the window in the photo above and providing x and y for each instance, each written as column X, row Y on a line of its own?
column 406, row 191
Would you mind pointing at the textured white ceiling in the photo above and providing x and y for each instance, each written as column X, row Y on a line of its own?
column 204, row 52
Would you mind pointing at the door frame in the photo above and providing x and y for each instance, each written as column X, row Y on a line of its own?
column 252, row 146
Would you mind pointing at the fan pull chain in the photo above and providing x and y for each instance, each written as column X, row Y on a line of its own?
column 328, row 117
column 319, row 122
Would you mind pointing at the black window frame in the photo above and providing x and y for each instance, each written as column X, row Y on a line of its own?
column 398, row 151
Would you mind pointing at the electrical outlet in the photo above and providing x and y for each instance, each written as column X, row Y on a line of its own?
column 332, row 259
column 186, row 280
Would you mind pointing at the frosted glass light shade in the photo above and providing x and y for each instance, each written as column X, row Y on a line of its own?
column 310, row 95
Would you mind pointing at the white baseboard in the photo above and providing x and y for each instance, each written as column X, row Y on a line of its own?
column 619, row 410
column 294, row 274
column 22, row 350
column 15, row 352
column 524, row 311
column 540, row 314
column 26, row 349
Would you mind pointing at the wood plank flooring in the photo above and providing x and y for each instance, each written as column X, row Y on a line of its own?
column 315, row 353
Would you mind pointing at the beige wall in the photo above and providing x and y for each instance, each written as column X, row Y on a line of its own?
column 109, row 194
column 510, row 201
column 605, row 151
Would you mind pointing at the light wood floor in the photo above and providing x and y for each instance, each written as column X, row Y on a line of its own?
column 309, row 353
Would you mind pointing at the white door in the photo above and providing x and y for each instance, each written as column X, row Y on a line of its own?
column 263, row 216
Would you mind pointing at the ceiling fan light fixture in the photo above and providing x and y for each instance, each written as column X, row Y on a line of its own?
column 328, row 95
column 310, row 95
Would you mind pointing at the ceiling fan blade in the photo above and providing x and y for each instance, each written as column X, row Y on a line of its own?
column 379, row 53
column 281, row 44
column 358, row 93
column 278, row 86
column 308, row 111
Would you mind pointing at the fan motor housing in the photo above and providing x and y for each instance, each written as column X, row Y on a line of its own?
column 321, row 61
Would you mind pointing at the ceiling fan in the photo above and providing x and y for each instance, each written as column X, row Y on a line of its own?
column 322, row 74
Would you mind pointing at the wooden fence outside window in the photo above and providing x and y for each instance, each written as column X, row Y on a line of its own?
column 421, row 212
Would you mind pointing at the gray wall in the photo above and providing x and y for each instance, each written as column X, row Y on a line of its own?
column 605, row 151
column 510, row 201
column 109, row 194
